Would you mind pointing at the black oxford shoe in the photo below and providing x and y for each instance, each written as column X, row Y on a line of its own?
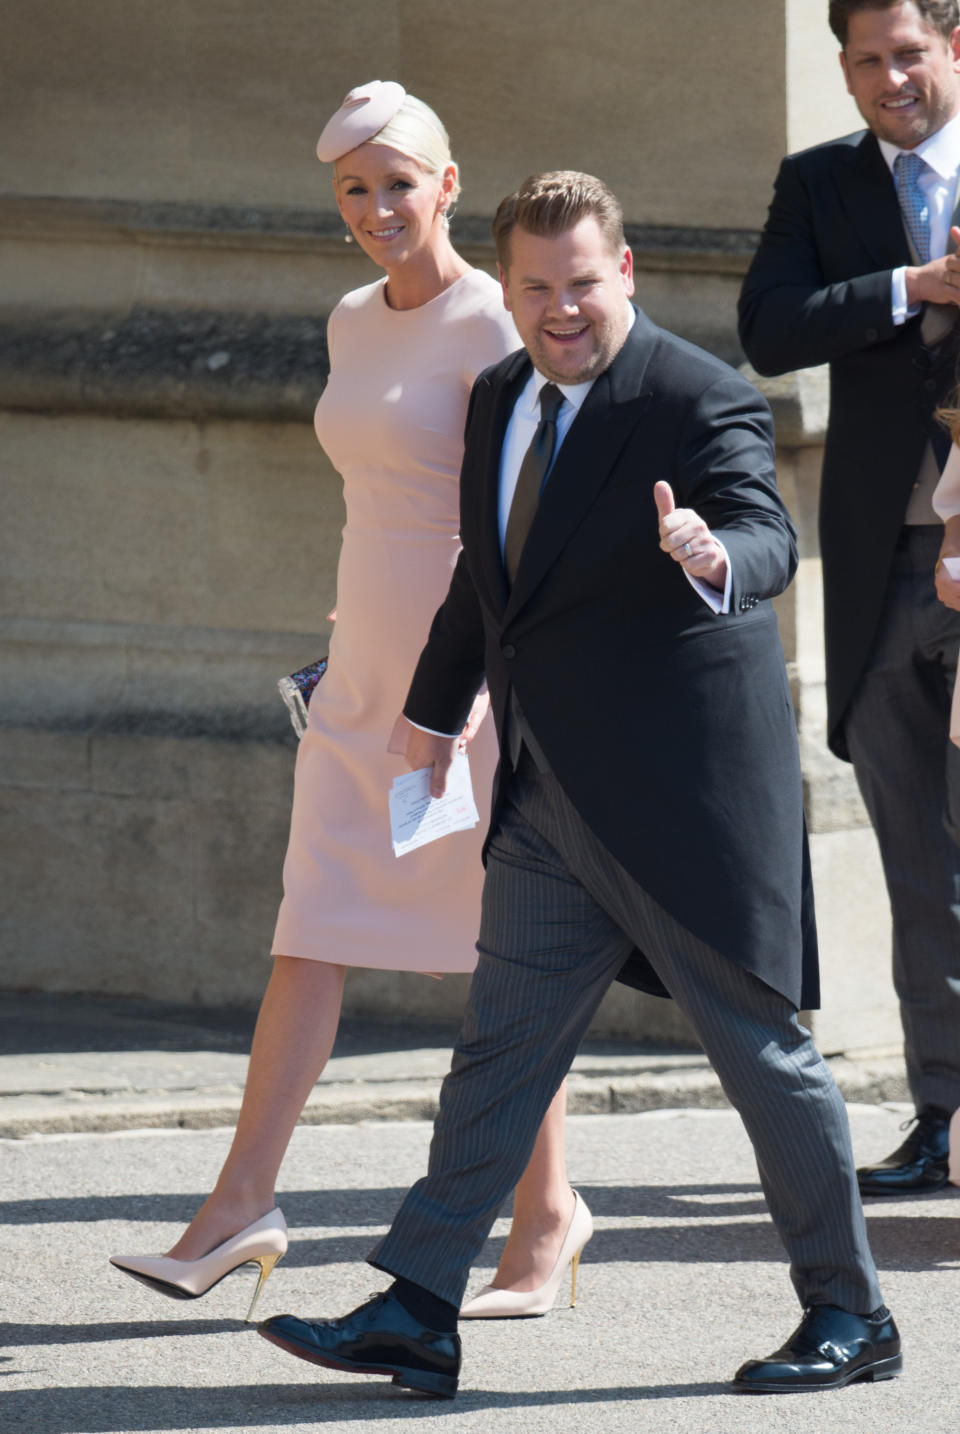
column 379, row 1337
column 829, row 1348
column 918, row 1167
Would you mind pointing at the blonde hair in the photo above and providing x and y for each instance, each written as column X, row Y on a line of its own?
column 417, row 132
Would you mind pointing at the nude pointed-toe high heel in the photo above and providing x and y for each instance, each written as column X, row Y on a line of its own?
column 492, row 1303
column 263, row 1243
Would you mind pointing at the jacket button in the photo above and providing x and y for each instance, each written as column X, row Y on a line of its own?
column 872, row 336
column 508, row 650
column 930, row 385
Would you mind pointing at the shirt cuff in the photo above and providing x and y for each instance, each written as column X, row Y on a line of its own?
column 716, row 601
column 451, row 736
column 898, row 297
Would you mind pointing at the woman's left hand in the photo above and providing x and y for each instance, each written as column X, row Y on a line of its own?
column 948, row 588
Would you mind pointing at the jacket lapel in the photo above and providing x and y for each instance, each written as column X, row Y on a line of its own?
column 610, row 412
column 504, row 390
column 868, row 197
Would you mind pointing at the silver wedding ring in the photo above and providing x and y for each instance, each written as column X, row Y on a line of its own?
column 686, row 550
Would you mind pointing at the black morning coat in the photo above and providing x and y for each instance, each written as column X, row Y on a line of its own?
column 669, row 727
column 819, row 291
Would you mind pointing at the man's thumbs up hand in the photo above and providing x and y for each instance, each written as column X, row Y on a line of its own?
column 688, row 540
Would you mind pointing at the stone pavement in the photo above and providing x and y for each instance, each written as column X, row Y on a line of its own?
column 79, row 1063
column 683, row 1279
column 108, row 1145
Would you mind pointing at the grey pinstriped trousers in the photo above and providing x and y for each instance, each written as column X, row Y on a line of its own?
column 908, row 772
column 559, row 917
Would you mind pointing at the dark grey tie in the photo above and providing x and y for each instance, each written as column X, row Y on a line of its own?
column 533, row 471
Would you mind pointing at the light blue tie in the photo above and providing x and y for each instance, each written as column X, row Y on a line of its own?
column 907, row 169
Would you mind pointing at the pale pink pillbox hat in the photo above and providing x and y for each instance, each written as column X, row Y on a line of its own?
column 363, row 114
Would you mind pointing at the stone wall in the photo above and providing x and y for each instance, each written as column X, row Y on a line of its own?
column 681, row 106
column 169, row 251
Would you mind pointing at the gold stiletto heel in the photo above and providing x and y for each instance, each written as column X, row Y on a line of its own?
column 266, row 1263
column 574, row 1267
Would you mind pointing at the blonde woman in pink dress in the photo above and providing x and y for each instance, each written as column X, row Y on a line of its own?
column 404, row 353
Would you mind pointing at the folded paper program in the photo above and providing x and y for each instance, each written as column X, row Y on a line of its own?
column 417, row 818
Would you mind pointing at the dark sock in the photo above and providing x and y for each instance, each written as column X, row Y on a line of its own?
column 881, row 1311
column 426, row 1308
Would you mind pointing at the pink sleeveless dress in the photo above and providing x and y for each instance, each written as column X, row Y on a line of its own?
column 391, row 420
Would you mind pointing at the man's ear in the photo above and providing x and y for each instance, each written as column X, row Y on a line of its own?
column 626, row 270
column 505, row 289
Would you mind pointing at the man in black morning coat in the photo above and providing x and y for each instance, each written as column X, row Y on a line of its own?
column 648, row 797
column 839, row 279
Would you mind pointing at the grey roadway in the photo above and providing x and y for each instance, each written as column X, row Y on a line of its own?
column 684, row 1277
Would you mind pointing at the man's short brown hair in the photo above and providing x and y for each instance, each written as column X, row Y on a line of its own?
column 943, row 15
column 550, row 204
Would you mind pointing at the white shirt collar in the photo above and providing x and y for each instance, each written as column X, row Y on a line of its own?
column 941, row 151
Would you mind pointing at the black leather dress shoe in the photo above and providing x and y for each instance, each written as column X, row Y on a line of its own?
column 918, row 1167
column 829, row 1348
column 379, row 1337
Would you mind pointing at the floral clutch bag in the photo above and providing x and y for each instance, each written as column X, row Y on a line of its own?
column 297, row 689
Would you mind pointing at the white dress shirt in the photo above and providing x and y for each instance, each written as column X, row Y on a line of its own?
column 941, row 152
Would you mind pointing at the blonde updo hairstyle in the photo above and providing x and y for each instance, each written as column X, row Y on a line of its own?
column 416, row 131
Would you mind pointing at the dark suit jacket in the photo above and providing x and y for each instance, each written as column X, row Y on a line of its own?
column 669, row 727
column 818, row 291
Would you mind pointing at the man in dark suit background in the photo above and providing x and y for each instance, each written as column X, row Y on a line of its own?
column 853, row 270
column 648, row 799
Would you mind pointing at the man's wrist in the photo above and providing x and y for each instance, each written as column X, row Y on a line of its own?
column 431, row 731
column 901, row 308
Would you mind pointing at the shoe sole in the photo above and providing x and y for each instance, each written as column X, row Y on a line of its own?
column 176, row 1292
column 907, row 1193
column 441, row 1386
column 881, row 1369
column 163, row 1287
